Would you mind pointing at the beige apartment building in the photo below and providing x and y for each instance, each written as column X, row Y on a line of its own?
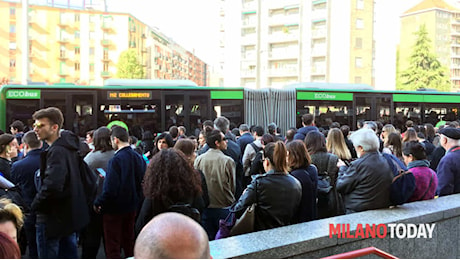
column 83, row 46
column 442, row 22
column 292, row 41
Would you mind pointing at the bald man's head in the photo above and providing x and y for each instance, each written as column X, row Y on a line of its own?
column 172, row 235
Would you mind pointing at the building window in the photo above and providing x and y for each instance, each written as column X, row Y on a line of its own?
column 106, row 66
column 12, row 11
column 12, row 28
column 77, row 34
column 77, row 17
column 92, row 35
column 106, row 54
column 358, row 80
column 358, row 62
column 360, row 4
column 359, row 43
column 77, row 66
column 92, row 18
column 12, row 63
column 359, row 23
column 91, row 51
column 12, row 46
column 77, row 50
column 91, row 67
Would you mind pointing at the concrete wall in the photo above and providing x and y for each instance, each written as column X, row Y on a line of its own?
column 311, row 239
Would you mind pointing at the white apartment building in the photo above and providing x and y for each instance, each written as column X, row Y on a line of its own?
column 288, row 41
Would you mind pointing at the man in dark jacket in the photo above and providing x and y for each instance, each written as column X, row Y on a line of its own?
column 245, row 138
column 60, row 203
column 449, row 167
column 366, row 183
column 121, row 195
column 23, row 175
column 308, row 123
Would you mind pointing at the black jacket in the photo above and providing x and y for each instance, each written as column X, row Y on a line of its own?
column 23, row 174
column 5, row 168
column 302, row 132
column 366, row 183
column 60, row 201
column 308, row 178
column 277, row 196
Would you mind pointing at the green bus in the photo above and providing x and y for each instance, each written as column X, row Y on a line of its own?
column 155, row 105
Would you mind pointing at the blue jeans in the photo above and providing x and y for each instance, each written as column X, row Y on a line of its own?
column 210, row 220
column 60, row 247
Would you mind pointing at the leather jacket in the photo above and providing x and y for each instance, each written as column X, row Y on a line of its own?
column 366, row 183
column 277, row 196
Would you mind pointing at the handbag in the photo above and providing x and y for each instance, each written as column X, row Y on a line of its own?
column 245, row 224
column 225, row 225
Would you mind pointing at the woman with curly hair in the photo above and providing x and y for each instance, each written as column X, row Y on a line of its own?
column 169, row 179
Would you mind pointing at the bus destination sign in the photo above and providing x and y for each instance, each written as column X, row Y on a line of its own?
column 23, row 94
column 141, row 95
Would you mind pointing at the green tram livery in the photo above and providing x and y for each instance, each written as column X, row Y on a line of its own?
column 158, row 104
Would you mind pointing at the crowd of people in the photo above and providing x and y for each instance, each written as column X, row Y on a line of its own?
column 153, row 191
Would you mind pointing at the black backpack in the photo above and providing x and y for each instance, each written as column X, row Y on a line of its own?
column 89, row 181
column 186, row 209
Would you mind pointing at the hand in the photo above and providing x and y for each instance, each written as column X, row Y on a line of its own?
column 97, row 209
column 340, row 163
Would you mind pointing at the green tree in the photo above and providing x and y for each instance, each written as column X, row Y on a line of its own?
column 128, row 66
column 425, row 71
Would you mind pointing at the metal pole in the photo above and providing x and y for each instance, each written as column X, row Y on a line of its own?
column 25, row 42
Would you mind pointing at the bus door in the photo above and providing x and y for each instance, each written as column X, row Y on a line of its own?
column 373, row 107
column 83, row 107
column 185, row 109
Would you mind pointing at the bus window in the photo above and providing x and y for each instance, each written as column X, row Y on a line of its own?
column 325, row 112
column 406, row 111
column 231, row 109
column 19, row 110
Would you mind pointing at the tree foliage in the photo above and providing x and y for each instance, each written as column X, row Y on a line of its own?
column 425, row 70
column 128, row 66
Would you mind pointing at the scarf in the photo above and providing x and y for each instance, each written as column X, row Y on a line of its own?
column 418, row 163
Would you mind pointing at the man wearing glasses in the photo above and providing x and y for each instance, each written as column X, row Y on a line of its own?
column 60, row 203
column 219, row 171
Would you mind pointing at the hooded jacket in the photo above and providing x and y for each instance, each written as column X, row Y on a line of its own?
column 302, row 132
column 60, row 200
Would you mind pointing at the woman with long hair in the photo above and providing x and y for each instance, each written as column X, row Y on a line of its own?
column 335, row 144
column 276, row 193
column 393, row 145
column 410, row 135
column 187, row 146
column 169, row 179
column 430, row 132
column 426, row 180
column 386, row 131
column 301, row 168
column 329, row 204
column 97, row 161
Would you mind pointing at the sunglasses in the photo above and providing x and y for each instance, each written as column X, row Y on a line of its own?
column 39, row 125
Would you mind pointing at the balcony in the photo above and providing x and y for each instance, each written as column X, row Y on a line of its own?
column 249, row 23
column 108, row 26
column 318, row 34
column 63, row 40
column 318, row 52
column 455, row 66
column 106, row 58
column 63, row 73
column 106, row 42
column 105, row 74
column 317, row 2
column 455, row 32
column 63, row 57
column 318, row 71
column 249, row 6
column 283, row 55
column 455, row 55
column 248, row 74
column 249, row 39
column 283, row 37
column 132, row 28
column 284, row 20
column 35, row 55
column 319, row 14
column 283, row 72
column 249, row 56
column 65, row 22
column 276, row 4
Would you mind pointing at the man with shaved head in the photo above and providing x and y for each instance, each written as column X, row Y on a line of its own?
column 172, row 235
